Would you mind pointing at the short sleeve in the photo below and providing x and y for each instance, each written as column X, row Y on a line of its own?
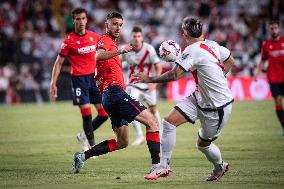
column 64, row 49
column 224, row 54
column 264, row 51
column 153, row 56
column 186, row 62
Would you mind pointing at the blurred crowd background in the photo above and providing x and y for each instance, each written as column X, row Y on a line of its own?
column 31, row 32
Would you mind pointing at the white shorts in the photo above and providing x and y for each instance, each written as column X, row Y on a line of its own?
column 212, row 121
column 150, row 97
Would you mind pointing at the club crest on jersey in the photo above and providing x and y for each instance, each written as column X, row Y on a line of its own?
column 100, row 43
column 78, row 42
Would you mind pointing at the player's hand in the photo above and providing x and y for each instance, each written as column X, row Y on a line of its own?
column 53, row 92
column 140, row 78
column 126, row 49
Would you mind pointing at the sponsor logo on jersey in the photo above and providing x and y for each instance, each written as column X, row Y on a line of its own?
column 88, row 49
column 276, row 53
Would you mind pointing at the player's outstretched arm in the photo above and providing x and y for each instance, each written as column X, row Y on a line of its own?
column 228, row 64
column 55, row 73
column 102, row 54
column 172, row 75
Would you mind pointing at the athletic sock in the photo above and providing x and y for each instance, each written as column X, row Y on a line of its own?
column 280, row 114
column 87, row 124
column 213, row 154
column 101, row 148
column 153, row 142
column 138, row 129
column 168, row 142
column 98, row 121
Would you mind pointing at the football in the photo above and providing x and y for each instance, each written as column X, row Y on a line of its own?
column 169, row 51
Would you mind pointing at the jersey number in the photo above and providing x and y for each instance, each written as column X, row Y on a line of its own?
column 78, row 92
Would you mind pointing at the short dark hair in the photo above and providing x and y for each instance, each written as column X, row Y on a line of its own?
column 78, row 10
column 274, row 21
column 193, row 26
column 136, row 29
column 113, row 15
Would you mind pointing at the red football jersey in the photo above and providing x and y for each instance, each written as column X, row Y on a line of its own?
column 80, row 50
column 109, row 72
column 273, row 51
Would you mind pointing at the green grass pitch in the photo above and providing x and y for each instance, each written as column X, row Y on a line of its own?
column 37, row 143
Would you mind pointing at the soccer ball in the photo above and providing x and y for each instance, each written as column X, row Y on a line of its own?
column 169, row 51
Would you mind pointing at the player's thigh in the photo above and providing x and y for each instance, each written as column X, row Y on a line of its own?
column 150, row 97
column 148, row 120
column 80, row 90
column 175, row 118
column 212, row 123
column 187, row 109
column 120, row 105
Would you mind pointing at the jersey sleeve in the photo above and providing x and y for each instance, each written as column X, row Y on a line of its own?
column 224, row 54
column 153, row 55
column 264, row 51
column 64, row 48
column 186, row 62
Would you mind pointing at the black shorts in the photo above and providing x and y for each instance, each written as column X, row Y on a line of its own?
column 277, row 89
column 121, row 108
column 84, row 90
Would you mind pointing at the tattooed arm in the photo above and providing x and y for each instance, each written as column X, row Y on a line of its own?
column 172, row 75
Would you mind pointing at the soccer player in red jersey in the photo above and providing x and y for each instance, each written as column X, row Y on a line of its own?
column 80, row 48
column 273, row 51
column 121, row 108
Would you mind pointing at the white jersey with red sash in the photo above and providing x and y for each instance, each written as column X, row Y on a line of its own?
column 141, row 61
column 205, row 60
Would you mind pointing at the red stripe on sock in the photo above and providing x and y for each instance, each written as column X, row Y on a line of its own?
column 112, row 145
column 153, row 136
column 86, row 111
column 102, row 112
column 279, row 107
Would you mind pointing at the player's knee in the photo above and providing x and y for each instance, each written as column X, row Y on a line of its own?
column 153, row 109
column 278, row 100
column 170, row 120
column 202, row 144
column 153, row 124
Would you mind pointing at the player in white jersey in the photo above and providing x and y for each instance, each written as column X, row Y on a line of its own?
column 211, row 102
column 143, row 58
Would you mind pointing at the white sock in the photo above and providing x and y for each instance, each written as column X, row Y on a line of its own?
column 168, row 142
column 158, row 118
column 213, row 154
column 138, row 129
